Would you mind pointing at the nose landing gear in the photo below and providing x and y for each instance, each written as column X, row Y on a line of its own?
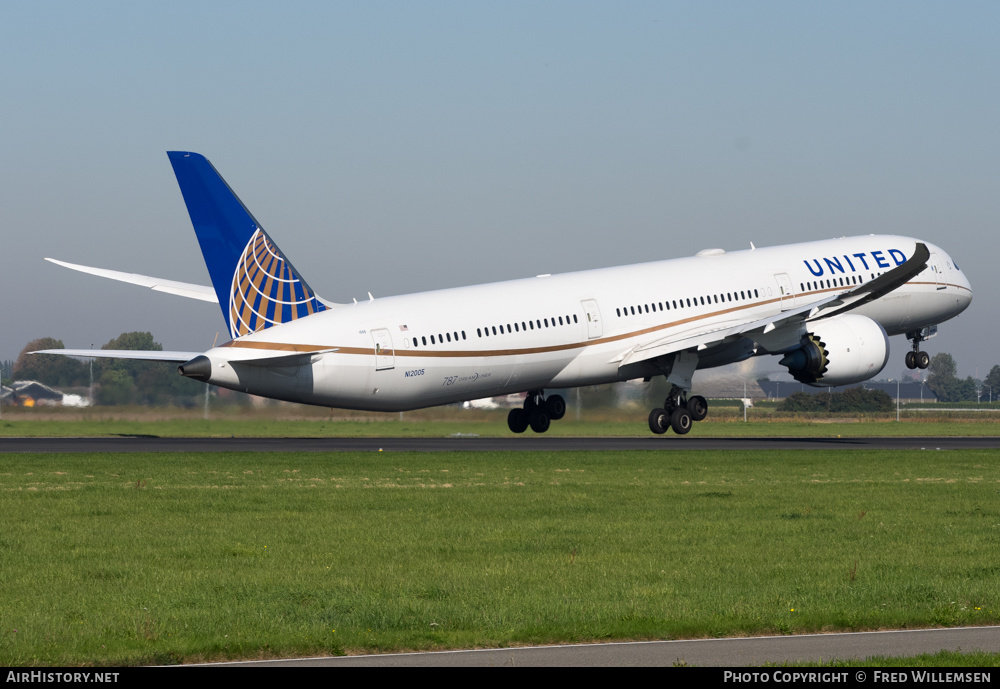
column 917, row 358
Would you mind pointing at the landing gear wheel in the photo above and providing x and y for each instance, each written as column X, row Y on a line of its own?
column 517, row 420
column 911, row 360
column 697, row 407
column 538, row 420
column 555, row 407
column 680, row 421
column 529, row 402
column 923, row 360
column 659, row 421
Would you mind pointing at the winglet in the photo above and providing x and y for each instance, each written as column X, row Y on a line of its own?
column 880, row 286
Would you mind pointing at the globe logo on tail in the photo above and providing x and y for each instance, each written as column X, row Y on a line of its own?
column 266, row 290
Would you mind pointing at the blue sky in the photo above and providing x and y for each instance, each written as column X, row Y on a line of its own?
column 402, row 146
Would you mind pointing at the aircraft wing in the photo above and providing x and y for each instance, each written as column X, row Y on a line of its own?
column 880, row 286
column 182, row 289
column 140, row 355
column 718, row 333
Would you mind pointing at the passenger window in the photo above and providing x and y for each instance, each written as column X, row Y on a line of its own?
column 516, row 329
column 449, row 336
column 494, row 330
column 424, row 339
column 479, row 332
column 463, row 334
column 619, row 312
column 501, row 329
column 432, row 339
column 560, row 320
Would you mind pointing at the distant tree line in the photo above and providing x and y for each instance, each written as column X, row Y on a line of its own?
column 942, row 380
column 126, row 381
column 116, row 381
column 945, row 383
column 852, row 400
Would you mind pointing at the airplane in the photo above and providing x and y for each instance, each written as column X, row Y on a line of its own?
column 827, row 308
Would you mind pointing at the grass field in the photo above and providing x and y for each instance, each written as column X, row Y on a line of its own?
column 298, row 421
column 141, row 558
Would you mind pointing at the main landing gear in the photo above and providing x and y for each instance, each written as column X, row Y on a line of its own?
column 538, row 412
column 916, row 358
column 679, row 412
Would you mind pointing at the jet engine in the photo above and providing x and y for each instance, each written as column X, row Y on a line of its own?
column 839, row 351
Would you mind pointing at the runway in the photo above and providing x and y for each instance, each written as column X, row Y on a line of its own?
column 531, row 443
column 699, row 652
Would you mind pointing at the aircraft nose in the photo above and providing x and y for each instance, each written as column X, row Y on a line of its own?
column 964, row 290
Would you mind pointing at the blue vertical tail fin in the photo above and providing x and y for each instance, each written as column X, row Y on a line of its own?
column 257, row 286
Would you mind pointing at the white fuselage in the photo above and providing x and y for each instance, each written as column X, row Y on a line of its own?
column 560, row 331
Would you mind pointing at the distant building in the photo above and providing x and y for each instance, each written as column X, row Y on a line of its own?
column 909, row 392
column 28, row 393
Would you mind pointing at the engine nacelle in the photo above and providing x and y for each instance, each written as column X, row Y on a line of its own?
column 839, row 351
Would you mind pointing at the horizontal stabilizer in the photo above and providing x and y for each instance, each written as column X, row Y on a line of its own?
column 181, row 289
column 139, row 355
column 284, row 359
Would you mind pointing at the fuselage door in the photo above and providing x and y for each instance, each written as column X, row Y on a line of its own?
column 934, row 264
column 785, row 290
column 384, row 354
column 593, row 314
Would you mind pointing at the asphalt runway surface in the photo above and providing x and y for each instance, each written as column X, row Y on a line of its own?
column 701, row 652
column 531, row 443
